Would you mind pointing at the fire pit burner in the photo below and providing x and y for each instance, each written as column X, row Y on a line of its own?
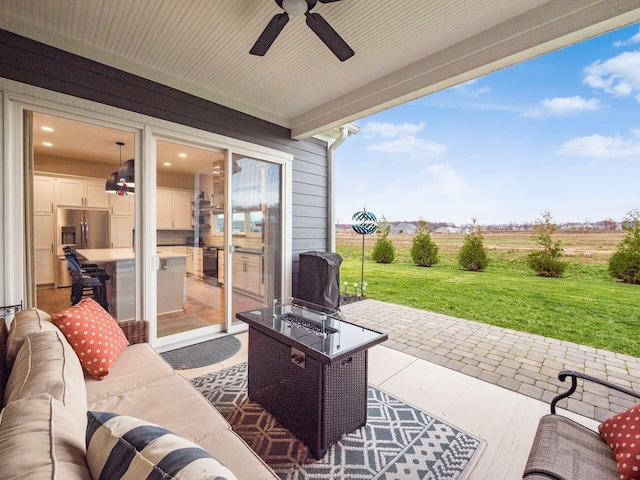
column 310, row 325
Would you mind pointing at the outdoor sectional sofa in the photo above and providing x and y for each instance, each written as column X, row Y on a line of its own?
column 45, row 424
column 565, row 450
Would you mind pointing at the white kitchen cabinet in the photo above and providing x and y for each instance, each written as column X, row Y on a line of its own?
column 220, row 267
column 173, row 209
column 122, row 220
column 121, row 204
column 163, row 210
column 43, row 226
column 247, row 272
column 181, row 210
column 121, row 231
column 197, row 262
column 95, row 195
column 43, row 194
column 81, row 192
column 190, row 260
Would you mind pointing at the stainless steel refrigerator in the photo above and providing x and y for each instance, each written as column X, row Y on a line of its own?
column 81, row 229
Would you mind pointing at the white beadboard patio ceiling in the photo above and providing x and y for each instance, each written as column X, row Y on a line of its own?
column 404, row 49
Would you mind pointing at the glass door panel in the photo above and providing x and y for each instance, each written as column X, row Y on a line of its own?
column 189, row 199
column 76, row 213
column 257, row 233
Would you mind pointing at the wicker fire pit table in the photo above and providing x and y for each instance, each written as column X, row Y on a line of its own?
column 307, row 365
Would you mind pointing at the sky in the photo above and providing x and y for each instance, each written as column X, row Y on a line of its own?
column 559, row 133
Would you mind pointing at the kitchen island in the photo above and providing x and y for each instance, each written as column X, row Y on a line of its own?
column 120, row 264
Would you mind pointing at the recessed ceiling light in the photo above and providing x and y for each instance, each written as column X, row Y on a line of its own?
column 183, row 155
column 47, row 129
column 47, row 144
column 166, row 164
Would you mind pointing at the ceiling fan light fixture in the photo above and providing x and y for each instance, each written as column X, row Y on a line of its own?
column 315, row 21
column 297, row 8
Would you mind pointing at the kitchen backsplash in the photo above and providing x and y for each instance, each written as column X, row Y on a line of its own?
column 173, row 237
column 179, row 237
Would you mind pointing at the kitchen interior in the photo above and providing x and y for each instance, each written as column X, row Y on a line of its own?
column 75, row 206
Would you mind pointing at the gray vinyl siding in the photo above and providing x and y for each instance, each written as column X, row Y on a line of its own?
column 34, row 63
column 309, row 206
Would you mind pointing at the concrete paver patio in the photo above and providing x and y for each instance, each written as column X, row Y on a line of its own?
column 524, row 363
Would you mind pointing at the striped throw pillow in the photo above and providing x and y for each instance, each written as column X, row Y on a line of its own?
column 122, row 447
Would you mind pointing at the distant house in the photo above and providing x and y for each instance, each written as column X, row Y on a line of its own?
column 448, row 230
column 404, row 227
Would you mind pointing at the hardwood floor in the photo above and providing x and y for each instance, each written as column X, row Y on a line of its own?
column 204, row 306
column 51, row 299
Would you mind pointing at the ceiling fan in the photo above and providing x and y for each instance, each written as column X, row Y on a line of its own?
column 315, row 21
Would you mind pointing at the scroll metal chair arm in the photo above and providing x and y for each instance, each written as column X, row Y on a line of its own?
column 562, row 376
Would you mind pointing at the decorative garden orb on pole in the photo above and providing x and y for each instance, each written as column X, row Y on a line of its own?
column 364, row 223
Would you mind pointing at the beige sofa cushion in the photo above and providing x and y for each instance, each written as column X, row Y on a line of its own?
column 137, row 365
column 46, row 363
column 39, row 440
column 25, row 323
column 174, row 404
column 225, row 446
column 170, row 402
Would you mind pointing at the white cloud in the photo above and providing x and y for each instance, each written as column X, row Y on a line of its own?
column 390, row 130
column 467, row 88
column 411, row 146
column 467, row 84
column 600, row 146
column 631, row 41
column 619, row 76
column 564, row 107
column 443, row 179
column 400, row 138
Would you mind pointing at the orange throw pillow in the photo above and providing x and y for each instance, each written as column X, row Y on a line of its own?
column 93, row 334
column 622, row 434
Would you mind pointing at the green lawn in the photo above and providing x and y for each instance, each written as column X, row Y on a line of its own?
column 586, row 306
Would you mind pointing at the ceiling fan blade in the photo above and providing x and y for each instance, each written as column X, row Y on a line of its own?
column 329, row 36
column 328, row 1
column 269, row 34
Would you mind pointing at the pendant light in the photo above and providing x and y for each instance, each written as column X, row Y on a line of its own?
column 126, row 177
column 112, row 182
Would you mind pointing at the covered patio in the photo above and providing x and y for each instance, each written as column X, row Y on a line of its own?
column 186, row 68
column 491, row 382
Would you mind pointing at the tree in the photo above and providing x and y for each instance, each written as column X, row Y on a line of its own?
column 548, row 261
column 383, row 250
column 473, row 255
column 625, row 263
column 424, row 252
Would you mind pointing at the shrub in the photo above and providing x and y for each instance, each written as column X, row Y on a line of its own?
column 625, row 263
column 548, row 261
column 473, row 255
column 424, row 252
column 383, row 250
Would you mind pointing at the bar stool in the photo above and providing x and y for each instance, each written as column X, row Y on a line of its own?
column 87, row 283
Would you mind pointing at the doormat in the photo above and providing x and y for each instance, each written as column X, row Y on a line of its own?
column 203, row 354
column 399, row 441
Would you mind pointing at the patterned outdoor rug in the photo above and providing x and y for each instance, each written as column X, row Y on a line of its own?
column 398, row 442
column 203, row 354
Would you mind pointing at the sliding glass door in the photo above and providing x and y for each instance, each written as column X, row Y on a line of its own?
column 195, row 232
column 257, row 236
column 189, row 195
